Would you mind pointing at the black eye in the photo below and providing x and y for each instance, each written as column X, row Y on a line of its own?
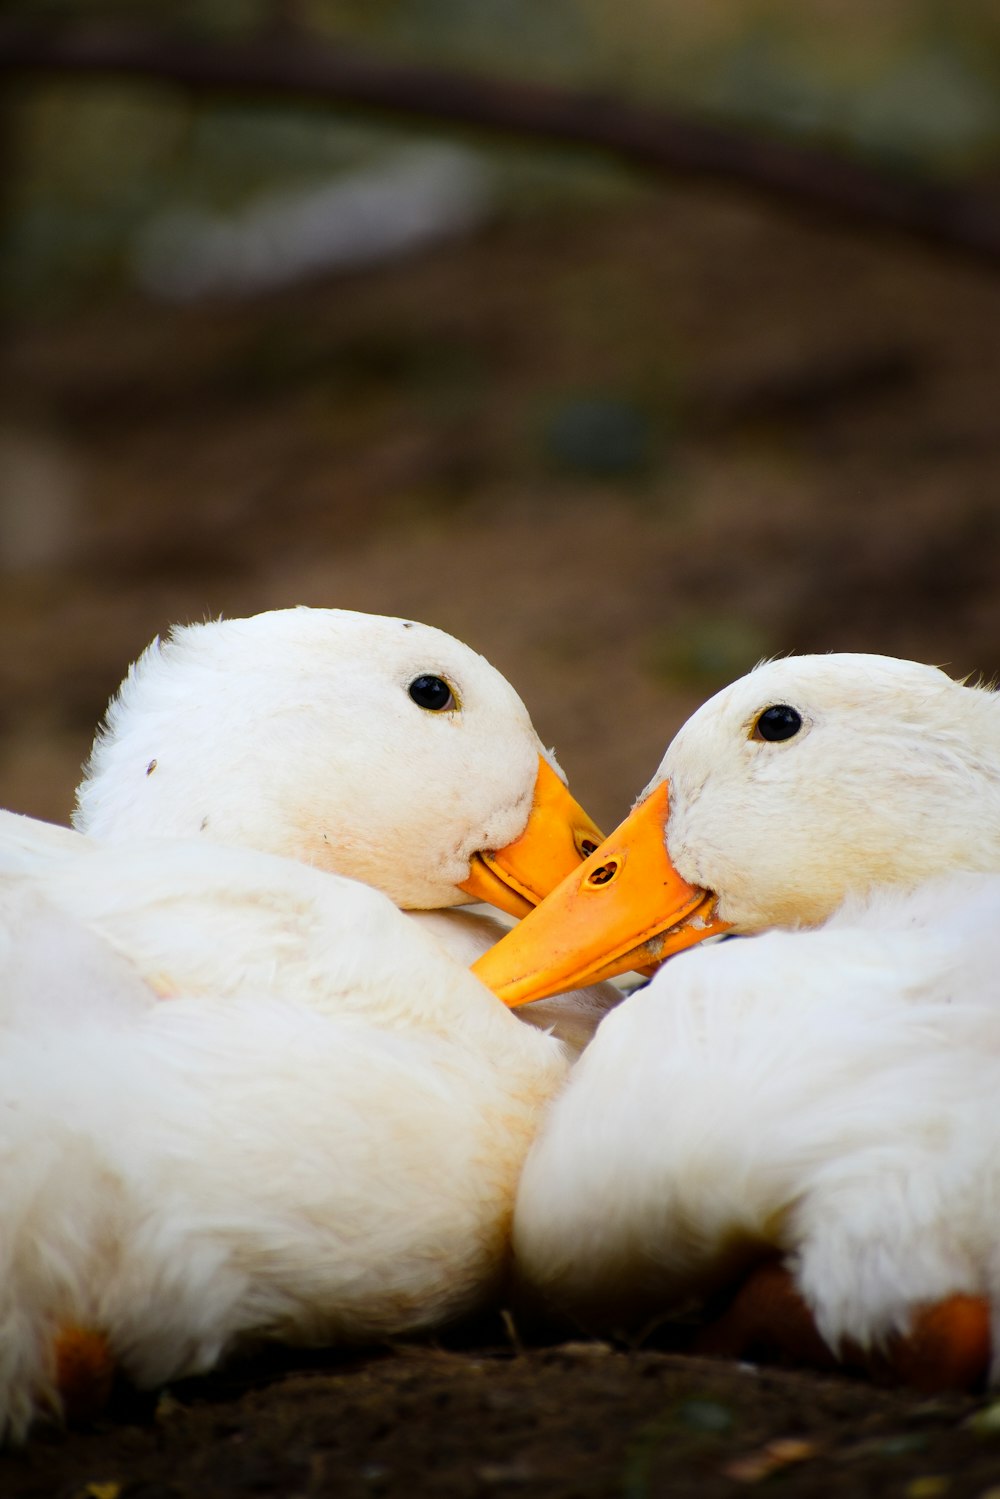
column 432, row 693
column 777, row 723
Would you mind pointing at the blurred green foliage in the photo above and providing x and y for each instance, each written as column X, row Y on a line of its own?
column 705, row 651
column 599, row 435
column 913, row 82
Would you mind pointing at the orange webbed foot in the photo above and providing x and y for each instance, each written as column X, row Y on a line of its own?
column 84, row 1372
column 766, row 1322
column 946, row 1348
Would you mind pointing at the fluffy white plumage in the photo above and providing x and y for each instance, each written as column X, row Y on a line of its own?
column 316, row 1139
column 292, row 733
column 826, row 1093
column 893, row 778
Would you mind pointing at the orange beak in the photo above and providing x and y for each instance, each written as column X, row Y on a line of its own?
column 625, row 907
column 558, row 835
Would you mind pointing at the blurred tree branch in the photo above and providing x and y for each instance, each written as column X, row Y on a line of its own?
column 288, row 63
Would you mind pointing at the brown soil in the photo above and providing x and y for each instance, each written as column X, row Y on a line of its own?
column 579, row 1420
column 816, row 467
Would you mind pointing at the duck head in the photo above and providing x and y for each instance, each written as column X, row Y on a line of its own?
column 811, row 778
column 376, row 748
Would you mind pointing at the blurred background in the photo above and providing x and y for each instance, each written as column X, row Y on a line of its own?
column 624, row 429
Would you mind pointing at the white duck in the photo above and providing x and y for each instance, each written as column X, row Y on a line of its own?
column 376, row 1158
column 803, row 1092
column 377, row 748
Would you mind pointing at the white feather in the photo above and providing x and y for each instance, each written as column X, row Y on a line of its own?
column 318, row 1141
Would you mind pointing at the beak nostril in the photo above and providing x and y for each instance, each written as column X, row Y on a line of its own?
column 605, row 874
column 587, row 846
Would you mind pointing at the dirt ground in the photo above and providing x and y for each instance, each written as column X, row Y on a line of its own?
column 624, row 453
column 574, row 1422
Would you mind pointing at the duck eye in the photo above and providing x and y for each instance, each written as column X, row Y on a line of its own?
column 777, row 723
column 432, row 693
